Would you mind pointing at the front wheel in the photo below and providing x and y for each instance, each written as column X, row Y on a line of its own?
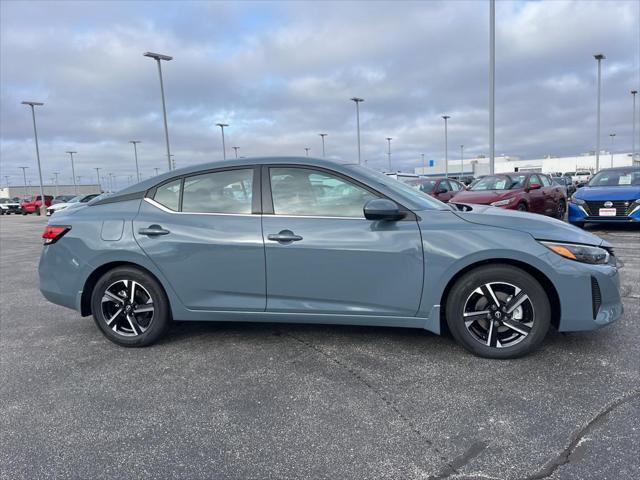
column 130, row 307
column 522, row 207
column 498, row 312
column 561, row 209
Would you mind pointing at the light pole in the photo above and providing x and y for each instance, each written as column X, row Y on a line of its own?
column 158, row 57
column 135, row 155
column 98, row 175
column 423, row 170
column 389, row 151
column 157, row 170
column 55, row 174
column 357, row 102
column 633, row 141
column 79, row 177
column 599, row 57
column 322, row 135
column 73, row 171
column 446, row 146
column 6, row 179
column 306, row 150
column 613, row 136
column 173, row 161
column 24, row 176
column 224, row 150
column 461, row 161
column 35, row 133
column 112, row 181
column 235, row 149
column 492, row 86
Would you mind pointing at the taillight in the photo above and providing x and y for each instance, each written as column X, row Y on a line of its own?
column 53, row 233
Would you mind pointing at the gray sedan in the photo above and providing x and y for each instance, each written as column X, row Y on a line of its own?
column 309, row 241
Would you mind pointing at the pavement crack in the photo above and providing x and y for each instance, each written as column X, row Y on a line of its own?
column 449, row 466
column 563, row 457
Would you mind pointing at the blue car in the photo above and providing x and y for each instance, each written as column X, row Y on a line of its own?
column 611, row 196
column 309, row 241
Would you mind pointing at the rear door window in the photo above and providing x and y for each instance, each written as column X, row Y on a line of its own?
column 228, row 191
column 168, row 195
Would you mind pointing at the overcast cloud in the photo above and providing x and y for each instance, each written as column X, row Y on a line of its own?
column 280, row 73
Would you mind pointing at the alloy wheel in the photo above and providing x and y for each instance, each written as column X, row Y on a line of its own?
column 127, row 308
column 498, row 314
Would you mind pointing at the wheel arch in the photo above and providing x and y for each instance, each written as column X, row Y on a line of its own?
column 545, row 282
column 92, row 279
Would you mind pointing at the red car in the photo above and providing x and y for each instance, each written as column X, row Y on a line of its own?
column 529, row 192
column 32, row 204
column 441, row 188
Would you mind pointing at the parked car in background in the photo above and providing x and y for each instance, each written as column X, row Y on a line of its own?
column 565, row 182
column 9, row 206
column 61, row 199
column 33, row 204
column 579, row 178
column 527, row 192
column 612, row 196
column 79, row 199
column 311, row 241
column 441, row 188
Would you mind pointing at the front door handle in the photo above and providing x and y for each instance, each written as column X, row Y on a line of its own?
column 153, row 230
column 285, row 236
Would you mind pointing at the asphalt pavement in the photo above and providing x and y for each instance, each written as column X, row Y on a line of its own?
column 258, row 401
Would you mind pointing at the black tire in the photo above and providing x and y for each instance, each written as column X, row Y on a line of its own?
column 149, row 326
column 536, row 307
column 562, row 208
column 522, row 207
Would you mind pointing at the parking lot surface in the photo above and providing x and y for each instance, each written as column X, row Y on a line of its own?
column 291, row 401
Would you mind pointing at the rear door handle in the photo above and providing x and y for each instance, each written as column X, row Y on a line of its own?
column 285, row 236
column 153, row 230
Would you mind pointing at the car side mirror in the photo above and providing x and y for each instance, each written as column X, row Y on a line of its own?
column 382, row 209
column 535, row 186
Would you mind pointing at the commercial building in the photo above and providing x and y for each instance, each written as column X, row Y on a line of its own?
column 21, row 191
column 504, row 163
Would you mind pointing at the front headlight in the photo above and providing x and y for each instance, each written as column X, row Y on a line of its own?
column 502, row 203
column 580, row 253
column 578, row 201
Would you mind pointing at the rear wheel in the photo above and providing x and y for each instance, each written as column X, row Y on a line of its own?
column 130, row 307
column 498, row 312
column 561, row 209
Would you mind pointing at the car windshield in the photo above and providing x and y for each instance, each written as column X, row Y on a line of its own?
column 427, row 186
column 499, row 182
column 616, row 178
column 421, row 200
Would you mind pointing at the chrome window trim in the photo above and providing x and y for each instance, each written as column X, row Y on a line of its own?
column 168, row 210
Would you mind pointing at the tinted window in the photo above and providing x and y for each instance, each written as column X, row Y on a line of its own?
column 545, row 180
column 302, row 191
column 229, row 191
column 169, row 195
column 455, row 186
column 534, row 179
column 444, row 185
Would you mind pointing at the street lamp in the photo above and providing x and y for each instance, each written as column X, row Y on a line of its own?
column 73, row 171
column 135, row 155
column 322, row 135
column 389, row 151
column 24, row 176
column 461, row 161
column 158, row 57
column 306, row 149
column 224, row 150
column 235, row 149
column 157, row 170
column 599, row 57
column 446, row 146
column 357, row 102
column 35, row 133
column 633, row 141
column 613, row 136
column 422, row 157
column 98, row 175
column 55, row 174
column 492, row 86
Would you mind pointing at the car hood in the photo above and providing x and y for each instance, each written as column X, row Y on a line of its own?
column 538, row 226
column 484, row 196
column 631, row 192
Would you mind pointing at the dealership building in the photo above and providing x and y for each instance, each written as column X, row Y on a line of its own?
column 504, row 163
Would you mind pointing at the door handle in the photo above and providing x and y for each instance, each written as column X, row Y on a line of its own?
column 153, row 230
column 285, row 236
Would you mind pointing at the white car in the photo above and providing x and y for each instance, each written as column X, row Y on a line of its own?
column 61, row 206
column 8, row 206
column 581, row 177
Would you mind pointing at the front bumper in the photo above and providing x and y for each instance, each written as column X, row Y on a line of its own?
column 578, row 214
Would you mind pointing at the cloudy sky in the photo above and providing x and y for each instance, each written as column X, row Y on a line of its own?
column 281, row 72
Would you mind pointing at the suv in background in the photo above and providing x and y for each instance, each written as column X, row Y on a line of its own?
column 9, row 206
column 580, row 177
column 33, row 204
